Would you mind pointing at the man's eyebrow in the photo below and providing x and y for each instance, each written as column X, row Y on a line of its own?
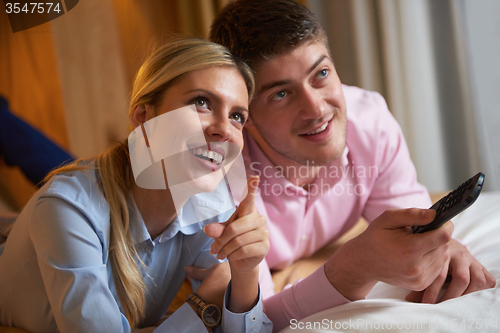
column 317, row 63
column 273, row 84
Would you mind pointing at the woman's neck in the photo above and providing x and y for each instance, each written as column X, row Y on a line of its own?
column 156, row 207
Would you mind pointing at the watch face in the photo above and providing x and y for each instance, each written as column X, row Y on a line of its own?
column 211, row 315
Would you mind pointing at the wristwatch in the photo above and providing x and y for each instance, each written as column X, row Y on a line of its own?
column 209, row 313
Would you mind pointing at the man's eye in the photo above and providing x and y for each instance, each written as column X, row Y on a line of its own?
column 322, row 73
column 280, row 95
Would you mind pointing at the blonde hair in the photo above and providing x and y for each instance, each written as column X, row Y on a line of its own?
column 171, row 60
column 164, row 65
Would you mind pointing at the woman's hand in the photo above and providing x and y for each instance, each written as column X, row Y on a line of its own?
column 244, row 238
column 244, row 241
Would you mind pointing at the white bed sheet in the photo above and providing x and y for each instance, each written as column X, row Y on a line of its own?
column 385, row 309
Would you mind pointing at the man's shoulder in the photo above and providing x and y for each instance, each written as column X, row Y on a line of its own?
column 371, row 126
column 364, row 104
column 368, row 110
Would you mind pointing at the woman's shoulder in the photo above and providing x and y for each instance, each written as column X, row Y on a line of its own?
column 81, row 189
column 72, row 186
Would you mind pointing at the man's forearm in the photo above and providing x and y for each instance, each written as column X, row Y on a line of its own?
column 306, row 297
column 345, row 273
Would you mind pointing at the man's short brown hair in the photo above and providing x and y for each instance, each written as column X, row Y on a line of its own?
column 256, row 30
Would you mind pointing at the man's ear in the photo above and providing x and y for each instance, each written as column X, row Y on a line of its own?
column 140, row 114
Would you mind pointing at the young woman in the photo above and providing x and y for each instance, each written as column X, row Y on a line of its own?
column 94, row 252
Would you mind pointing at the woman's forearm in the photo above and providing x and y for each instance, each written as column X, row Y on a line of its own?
column 244, row 290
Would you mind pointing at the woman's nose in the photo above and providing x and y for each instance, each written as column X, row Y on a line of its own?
column 219, row 129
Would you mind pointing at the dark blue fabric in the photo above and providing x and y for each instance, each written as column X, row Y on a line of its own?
column 25, row 147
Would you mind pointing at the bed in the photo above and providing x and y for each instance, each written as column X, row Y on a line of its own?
column 385, row 310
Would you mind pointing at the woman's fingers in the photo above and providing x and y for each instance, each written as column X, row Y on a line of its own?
column 247, row 206
column 242, row 240
column 241, row 226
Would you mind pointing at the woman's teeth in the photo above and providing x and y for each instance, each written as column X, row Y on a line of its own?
column 208, row 155
column 319, row 130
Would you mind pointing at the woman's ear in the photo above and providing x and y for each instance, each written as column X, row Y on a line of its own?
column 139, row 115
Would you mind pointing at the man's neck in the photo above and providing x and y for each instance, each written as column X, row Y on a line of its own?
column 297, row 173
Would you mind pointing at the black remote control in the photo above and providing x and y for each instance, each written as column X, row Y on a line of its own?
column 454, row 203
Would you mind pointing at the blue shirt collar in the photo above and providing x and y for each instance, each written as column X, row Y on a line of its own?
column 174, row 227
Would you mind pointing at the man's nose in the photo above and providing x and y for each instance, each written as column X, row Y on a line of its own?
column 313, row 106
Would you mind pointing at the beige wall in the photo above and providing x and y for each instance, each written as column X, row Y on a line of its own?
column 29, row 80
column 70, row 78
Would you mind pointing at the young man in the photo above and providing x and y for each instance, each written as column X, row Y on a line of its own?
column 328, row 154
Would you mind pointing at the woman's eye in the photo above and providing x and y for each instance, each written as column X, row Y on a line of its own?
column 239, row 118
column 280, row 95
column 201, row 102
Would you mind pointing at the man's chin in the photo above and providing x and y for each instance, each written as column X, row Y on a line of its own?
column 323, row 156
column 317, row 159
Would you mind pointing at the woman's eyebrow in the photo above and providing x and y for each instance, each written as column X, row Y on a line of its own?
column 214, row 97
column 205, row 91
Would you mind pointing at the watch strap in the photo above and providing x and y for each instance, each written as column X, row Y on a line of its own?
column 197, row 301
column 200, row 304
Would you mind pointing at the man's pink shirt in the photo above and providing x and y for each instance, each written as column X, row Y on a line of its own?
column 374, row 173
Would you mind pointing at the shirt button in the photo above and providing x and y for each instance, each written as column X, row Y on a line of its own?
column 304, row 237
column 254, row 318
